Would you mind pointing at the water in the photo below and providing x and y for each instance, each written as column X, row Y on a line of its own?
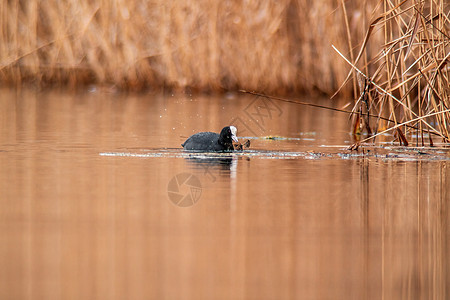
column 92, row 206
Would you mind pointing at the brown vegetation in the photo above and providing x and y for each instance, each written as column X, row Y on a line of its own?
column 270, row 46
column 408, row 81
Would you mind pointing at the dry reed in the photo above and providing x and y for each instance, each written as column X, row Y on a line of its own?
column 408, row 80
column 270, row 46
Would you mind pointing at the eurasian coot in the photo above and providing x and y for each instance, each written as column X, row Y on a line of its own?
column 211, row 141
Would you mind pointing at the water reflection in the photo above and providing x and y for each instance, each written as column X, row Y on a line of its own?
column 413, row 226
column 213, row 166
column 77, row 224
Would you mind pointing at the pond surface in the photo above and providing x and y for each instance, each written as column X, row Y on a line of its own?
column 97, row 201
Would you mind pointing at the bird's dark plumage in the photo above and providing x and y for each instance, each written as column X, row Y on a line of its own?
column 210, row 141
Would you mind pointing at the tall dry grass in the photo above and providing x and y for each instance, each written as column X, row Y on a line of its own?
column 408, row 80
column 270, row 46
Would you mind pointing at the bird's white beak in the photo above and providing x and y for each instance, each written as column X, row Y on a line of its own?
column 233, row 134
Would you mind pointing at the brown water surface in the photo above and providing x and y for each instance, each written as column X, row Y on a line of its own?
column 93, row 205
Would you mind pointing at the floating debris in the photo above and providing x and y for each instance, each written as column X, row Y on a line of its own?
column 239, row 146
column 273, row 137
column 331, row 152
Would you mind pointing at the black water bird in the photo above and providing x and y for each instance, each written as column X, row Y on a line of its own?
column 211, row 141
